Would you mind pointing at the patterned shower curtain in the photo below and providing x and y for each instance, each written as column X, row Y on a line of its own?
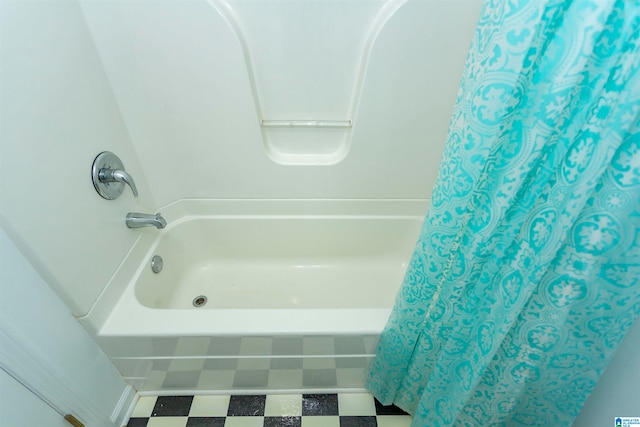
column 526, row 274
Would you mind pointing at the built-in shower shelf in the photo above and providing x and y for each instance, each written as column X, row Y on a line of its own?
column 306, row 60
column 306, row 142
column 306, row 124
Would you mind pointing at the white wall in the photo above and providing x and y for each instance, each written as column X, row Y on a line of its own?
column 57, row 113
column 21, row 408
column 47, row 348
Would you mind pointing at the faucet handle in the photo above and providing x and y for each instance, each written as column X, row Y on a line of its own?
column 118, row 175
column 109, row 176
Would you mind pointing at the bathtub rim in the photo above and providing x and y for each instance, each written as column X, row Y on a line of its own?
column 117, row 312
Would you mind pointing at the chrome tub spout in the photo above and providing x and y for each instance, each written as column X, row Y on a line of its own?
column 137, row 220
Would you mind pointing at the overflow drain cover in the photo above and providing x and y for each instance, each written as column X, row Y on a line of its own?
column 199, row 301
column 156, row 264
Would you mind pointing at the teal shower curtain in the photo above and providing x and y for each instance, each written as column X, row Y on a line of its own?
column 526, row 274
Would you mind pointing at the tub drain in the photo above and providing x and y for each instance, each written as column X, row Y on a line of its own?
column 199, row 301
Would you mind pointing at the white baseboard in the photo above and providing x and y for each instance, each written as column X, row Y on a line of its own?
column 123, row 409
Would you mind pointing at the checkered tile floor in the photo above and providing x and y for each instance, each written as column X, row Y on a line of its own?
column 295, row 410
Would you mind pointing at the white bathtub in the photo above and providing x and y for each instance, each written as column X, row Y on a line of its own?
column 297, row 294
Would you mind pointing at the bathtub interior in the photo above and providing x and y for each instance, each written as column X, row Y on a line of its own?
column 338, row 265
column 279, row 263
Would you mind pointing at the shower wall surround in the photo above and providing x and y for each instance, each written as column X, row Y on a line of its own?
column 184, row 93
column 57, row 113
column 373, row 83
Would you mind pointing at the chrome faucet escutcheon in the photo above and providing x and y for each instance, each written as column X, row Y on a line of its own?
column 109, row 177
column 137, row 220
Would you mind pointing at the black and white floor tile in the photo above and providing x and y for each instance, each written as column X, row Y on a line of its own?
column 293, row 410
